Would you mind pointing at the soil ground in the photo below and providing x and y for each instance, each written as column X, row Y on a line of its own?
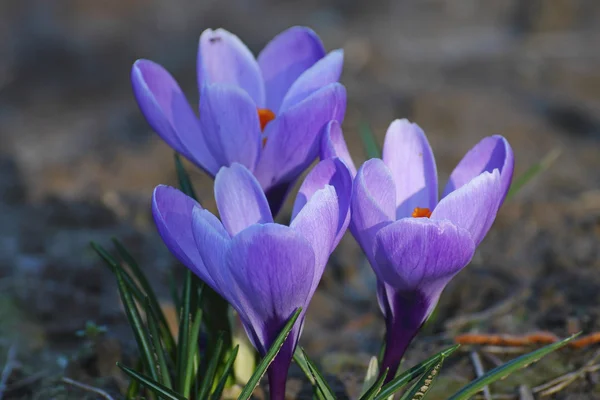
column 78, row 163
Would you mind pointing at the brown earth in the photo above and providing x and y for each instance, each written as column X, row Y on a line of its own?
column 78, row 163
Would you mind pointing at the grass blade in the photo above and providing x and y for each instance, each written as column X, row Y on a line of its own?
column 114, row 266
column 151, row 384
column 184, row 179
column 209, row 377
column 420, row 388
column 147, row 289
column 370, row 376
column 320, row 382
column 376, row 388
column 133, row 390
column 369, row 142
column 135, row 320
column 193, row 355
column 506, row 369
column 301, row 361
column 407, row 376
column 268, row 358
column 532, row 172
column 184, row 334
column 163, row 370
column 225, row 376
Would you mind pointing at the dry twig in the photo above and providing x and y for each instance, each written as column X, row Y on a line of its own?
column 479, row 371
column 87, row 388
column 8, row 368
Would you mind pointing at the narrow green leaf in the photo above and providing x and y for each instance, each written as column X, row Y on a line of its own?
column 532, row 172
column 163, row 370
column 139, row 331
column 193, row 355
column 421, row 387
column 407, row 376
column 301, row 361
column 114, row 266
column 268, row 358
column 174, row 294
column 369, row 142
column 184, row 179
column 225, row 375
column 147, row 288
column 209, row 377
column 151, row 384
column 320, row 381
column 506, row 369
column 376, row 388
column 370, row 376
column 133, row 390
column 184, row 334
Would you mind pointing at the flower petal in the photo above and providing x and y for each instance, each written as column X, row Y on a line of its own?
column 408, row 155
column 333, row 145
column 285, row 58
column 420, row 254
column 268, row 293
column 240, row 199
column 474, row 206
column 324, row 72
column 168, row 112
column 327, row 173
column 373, row 203
column 224, row 58
column 490, row 153
column 231, row 126
column 212, row 241
column 172, row 212
column 293, row 137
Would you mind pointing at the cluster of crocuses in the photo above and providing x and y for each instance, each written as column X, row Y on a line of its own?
column 262, row 121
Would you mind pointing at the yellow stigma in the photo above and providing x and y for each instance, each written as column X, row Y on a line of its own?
column 419, row 212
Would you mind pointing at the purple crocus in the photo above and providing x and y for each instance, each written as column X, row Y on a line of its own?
column 265, row 113
column 414, row 243
column 263, row 269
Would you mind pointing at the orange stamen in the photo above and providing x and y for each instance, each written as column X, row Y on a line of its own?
column 265, row 116
column 419, row 212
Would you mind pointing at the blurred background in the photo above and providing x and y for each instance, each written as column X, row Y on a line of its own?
column 78, row 163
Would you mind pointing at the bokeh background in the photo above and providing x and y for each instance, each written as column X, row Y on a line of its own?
column 78, row 163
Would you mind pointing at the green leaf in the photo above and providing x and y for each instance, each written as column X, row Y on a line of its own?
column 162, row 391
column 133, row 390
column 174, row 294
column 420, row 388
column 370, row 376
column 147, row 289
column 532, row 172
column 320, row 382
column 506, row 369
column 225, row 375
column 135, row 320
column 184, row 179
column 369, row 142
column 376, row 388
column 268, row 358
column 114, row 266
column 163, row 369
column 184, row 336
column 407, row 376
column 301, row 361
column 209, row 377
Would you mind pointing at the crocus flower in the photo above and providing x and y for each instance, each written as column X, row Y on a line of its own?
column 263, row 269
column 414, row 243
column 265, row 113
